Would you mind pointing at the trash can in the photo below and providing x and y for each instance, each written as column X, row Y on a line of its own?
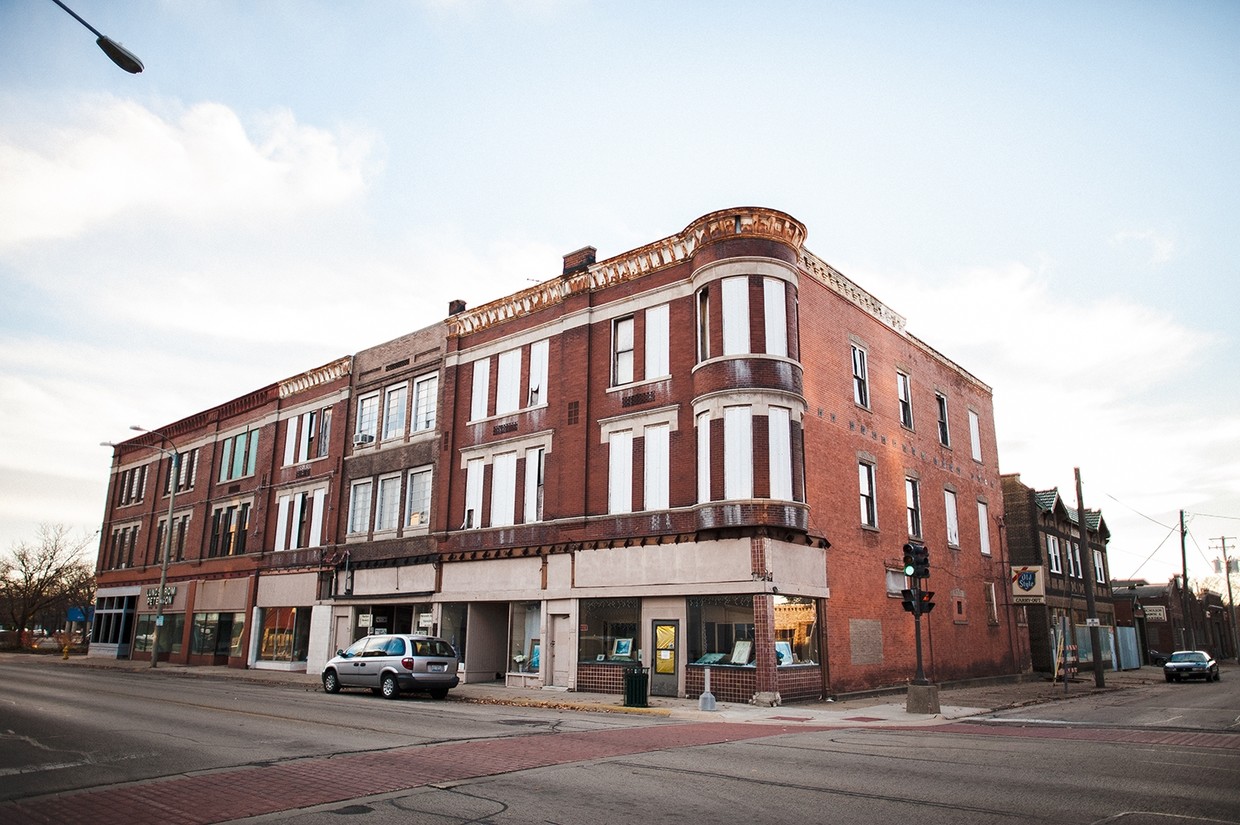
column 636, row 687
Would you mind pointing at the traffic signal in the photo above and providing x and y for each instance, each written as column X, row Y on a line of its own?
column 924, row 604
column 921, row 561
column 910, row 560
column 910, row 600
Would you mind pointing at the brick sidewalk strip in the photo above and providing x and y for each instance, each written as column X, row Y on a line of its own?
column 224, row 795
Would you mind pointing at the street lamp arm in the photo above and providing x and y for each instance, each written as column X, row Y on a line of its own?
column 117, row 53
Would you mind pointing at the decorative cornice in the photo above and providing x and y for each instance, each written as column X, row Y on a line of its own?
column 316, row 377
column 834, row 280
column 744, row 222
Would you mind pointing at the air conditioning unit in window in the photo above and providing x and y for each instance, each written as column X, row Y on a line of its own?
column 362, row 439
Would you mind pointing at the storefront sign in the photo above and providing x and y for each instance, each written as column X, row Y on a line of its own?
column 152, row 596
column 1155, row 613
column 1028, row 585
column 426, row 620
column 365, row 619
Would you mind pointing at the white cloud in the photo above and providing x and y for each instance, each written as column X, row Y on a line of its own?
column 1151, row 246
column 115, row 157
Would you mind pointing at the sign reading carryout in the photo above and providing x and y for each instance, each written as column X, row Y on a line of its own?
column 1028, row 585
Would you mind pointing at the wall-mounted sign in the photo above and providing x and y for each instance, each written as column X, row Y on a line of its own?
column 1028, row 585
column 365, row 619
column 152, row 596
column 426, row 620
column 1155, row 613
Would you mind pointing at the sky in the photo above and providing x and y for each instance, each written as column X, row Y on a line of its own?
column 1048, row 192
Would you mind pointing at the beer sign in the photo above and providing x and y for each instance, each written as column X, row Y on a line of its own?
column 1028, row 585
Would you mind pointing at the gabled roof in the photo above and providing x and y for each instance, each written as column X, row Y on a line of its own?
column 1049, row 501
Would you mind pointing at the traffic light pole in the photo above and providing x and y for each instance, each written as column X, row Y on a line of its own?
column 920, row 678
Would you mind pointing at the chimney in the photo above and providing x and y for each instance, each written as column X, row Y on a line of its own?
column 579, row 261
column 456, row 307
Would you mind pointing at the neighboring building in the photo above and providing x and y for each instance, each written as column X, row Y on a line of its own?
column 386, row 567
column 705, row 452
column 1043, row 531
column 253, row 509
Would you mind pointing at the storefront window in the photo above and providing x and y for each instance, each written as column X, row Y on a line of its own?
column 609, row 630
column 113, row 618
column 169, row 635
column 524, row 644
column 285, row 634
column 453, row 625
column 796, row 630
column 217, row 634
column 721, row 630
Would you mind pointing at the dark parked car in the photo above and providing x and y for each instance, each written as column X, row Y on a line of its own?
column 1158, row 658
column 1191, row 664
column 392, row 663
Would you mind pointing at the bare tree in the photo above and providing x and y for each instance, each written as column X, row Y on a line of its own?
column 51, row 573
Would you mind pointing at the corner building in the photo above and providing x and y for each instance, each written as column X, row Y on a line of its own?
column 708, row 452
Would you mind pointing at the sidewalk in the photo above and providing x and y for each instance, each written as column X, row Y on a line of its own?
column 956, row 701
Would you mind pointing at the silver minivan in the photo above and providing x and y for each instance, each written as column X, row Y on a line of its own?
column 392, row 663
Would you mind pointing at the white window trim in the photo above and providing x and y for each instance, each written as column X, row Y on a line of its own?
column 983, row 527
column 975, row 435
column 952, row 513
column 383, row 483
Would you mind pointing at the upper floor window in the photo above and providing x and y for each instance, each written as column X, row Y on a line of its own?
column 367, row 418
column 861, row 379
column 912, row 505
column 904, row 391
column 475, row 468
column 535, row 479
column 779, row 441
column 537, row 394
column 299, row 518
column 180, row 527
column 983, row 526
column 622, row 351
column 307, row 436
column 992, row 605
column 418, row 498
column 658, row 330
column 121, row 548
column 953, row 521
column 1074, row 560
column 425, row 401
column 775, row 308
column 1100, row 573
column 360, row 493
column 230, row 524
column 620, row 472
column 503, row 489
column 131, row 485
column 703, row 457
column 188, row 462
column 395, row 403
column 940, row 401
column 1052, row 554
column 657, row 438
column 975, row 435
column 240, row 456
column 703, row 323
column 508, row 382
column 737, row 452
column 735, row 293
column 869, row 504
column 480, row 389
column 387, row 504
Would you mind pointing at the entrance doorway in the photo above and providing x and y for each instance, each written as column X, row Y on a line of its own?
column 665, row 665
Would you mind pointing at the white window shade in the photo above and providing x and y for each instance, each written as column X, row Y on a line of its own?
column 779, row 425
column 737, row 453
column 481, row 387
column 657, row 454
column 775, row 309
column 503, row 489
column 735, row 316
column 657, row 347
column 620, row 472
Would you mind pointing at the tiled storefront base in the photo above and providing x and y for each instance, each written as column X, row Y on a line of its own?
column 738, row 684
column 596, row 678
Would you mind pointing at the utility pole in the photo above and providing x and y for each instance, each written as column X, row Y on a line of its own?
column 1091, row 605
column 1189, row 637
column 1231, row 604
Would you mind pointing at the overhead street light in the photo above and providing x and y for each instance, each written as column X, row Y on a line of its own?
column 174, row 479
column 117, row 53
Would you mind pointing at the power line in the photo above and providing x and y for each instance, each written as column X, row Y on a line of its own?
column 1170, row 531
column 1139, row 513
